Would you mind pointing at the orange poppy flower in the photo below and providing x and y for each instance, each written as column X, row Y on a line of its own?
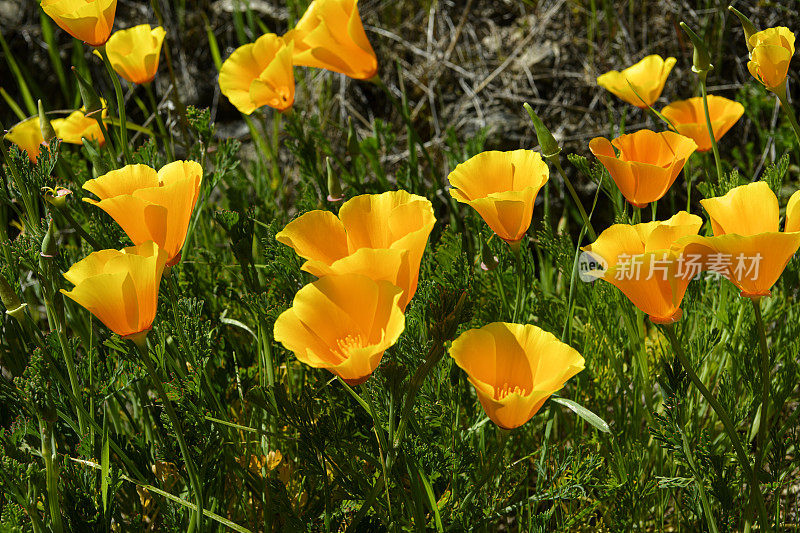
column 647, row 164
column 382, row 236
column 78, row 126
column 88, row 20
column 747, row 247
column 27, row 135
column 689, row 118
column 120, row 287
column 330, row 35
column 502, row 187
column 134, row 52
column 150, row 205
column 514, row 368
column 772, row 51
column 259, row 74
column 647, row 265
column 640, row 84
column 343, row 323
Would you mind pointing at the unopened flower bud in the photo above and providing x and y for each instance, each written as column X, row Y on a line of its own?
column 14, row 307
column 489, row 261
column 747, row 25
column 48, row 133
column 49, row 249
column 701, row 60
column 334, row 187
column 353, row 148
column 91, row 101
column 547, row 143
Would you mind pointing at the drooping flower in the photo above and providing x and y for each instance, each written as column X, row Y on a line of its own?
column 640, row 84
column 330, row 35
column 90, row 21
column 514, row 368
column 150, row 205
column 647, row 164
column 134, row 52
column 342, row 323
column 689, row 118
column 772, row 51
column 120, row 287
column 27, row 135
column 646, row 264
column 382, row 236
column 78, row 126
column 747, row 247
column 502, row 187
column 259, row 74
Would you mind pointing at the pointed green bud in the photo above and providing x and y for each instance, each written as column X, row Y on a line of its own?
column 48, row 133
column 91, row 102
column 353, row 148
column 14, row 307
column 489, row 261
column 334, row 187
column 547, row 143
column 747, row 25
column 49, row 249
column 701, row 61
column 100, row 166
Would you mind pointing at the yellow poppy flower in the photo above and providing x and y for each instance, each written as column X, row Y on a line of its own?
column 342, row 323
column 134, row 52
column 772, row 52
column 382, row 236
column 259, row 74
column 502, row 188
column 644, row 262
column 330, row 35
column 120, row 287
column 689, row 118
column 647, row 77
column 78, row 126
column 647, row 164
column 88, row 20
column 27, row 135
column 150, row 205
column 514, row 368
column 747, row 247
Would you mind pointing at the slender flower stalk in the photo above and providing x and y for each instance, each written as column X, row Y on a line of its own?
column 123, row 122
column 780, row 92
column 51, row 473
column 763, row 425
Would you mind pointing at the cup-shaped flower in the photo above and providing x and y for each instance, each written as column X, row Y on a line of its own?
column 88, row 20
column 330, row 35
column 772, row 50
column 150, row 205
column 134, row 52
column 688, row 116
column 514, row 368
column 647, row 164
column 27, row 135
column 120, row 287
column 747, row 247
column 342, row 323
column 640, row 84
column 646, row 264
column 78, row 126
column 259, row 74
column 382, row 236
column 502, row 188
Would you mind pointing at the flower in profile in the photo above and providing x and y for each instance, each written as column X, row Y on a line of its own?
column 640, row 84
column 382, row 236
column 342, row 323
column 150, row 205
column 772, row 51
column 747, row 247
column 330, row 35
column 120, row 287
column 514, row 368
column 646, row 264
column 259, row 74
column 27, row 135
column 502, row 188
column 78, row 126
column 647, row 164
column 88, row 20
column 688, row 116
column 134, row 52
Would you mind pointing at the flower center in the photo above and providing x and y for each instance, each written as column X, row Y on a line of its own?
column 347, row 344
column 501, row 392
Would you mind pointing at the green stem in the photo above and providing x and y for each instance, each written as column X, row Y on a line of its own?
column 176, row 423
column 722, row 414
column 123, row 126
column 148, row 87
column 434, row 355
column 381, row 440
column 780, row 92
column 520, row 274
column 493, row 465
column 586, row 222
column 702, row 75
column 51, row 471
column 763, row 425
